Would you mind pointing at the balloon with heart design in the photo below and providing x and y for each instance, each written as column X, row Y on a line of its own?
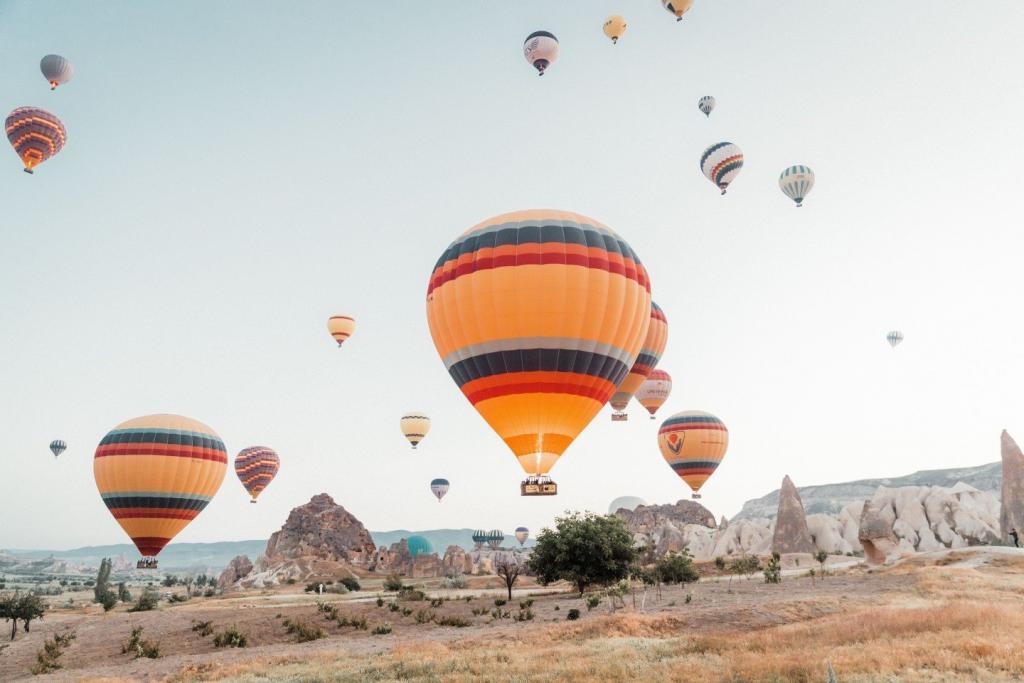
column 693, row 443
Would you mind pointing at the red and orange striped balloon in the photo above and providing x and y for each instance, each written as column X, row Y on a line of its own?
column 256, row 467
column 35, row 134
column 538, row 316
column 693, row 443
column 655, row 390
column 156, row 474
column 650, row 354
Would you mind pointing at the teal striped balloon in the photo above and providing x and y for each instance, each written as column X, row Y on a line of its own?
column 796, row 182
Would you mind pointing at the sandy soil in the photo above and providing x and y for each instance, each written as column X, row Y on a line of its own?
column 714, row 608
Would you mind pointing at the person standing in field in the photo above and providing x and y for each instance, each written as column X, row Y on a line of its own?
column 1013, row 535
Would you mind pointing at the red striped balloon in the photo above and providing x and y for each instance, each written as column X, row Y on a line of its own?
column 256, row 467
column 35, row 134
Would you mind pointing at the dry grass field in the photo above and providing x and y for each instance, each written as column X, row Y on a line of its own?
column 957, row 616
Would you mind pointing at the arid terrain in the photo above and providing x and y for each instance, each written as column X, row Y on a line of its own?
column 950, row 615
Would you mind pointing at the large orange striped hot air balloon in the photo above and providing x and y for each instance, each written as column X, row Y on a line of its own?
column 256, row 467
column 650, row 354
column 35, row 134
column 655, row 390
column 156, row 474
column 693, row 443
column 538, row 316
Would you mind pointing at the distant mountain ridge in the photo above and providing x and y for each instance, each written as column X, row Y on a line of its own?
column 200, row 557
column 831, row 498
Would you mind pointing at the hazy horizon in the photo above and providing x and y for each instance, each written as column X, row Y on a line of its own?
column 237, row 172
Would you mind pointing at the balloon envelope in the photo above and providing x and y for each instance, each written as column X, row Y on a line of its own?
column 256, row 467
column 677, row 8
column 614, row 27
column 650, row 353
column 796, row 182
column 35, row 134
column 625, row 503
column 522, row 533
column 418, row 545
column 414, row 427
column 341, row 327
column 156, row 474
column 655, row 390
column 894, row 338
column 56, row 70
column 538, row 316
column 541, row 50
column 57, row 446
column 721, row 163
column 693, row 443
column 706, row 104
column 439, row 487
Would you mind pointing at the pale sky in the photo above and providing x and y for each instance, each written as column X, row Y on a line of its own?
column 236, row 172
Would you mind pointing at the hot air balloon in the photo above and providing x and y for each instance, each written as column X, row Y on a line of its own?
column 894, row 338
column 625, row 503
column 479, row 538
column 538, row 316
column 650, row 354
column 693, row 443
column 57, row 446
column 540, row 50
column 495, row 538
column 415, row 426
column 256, row 467
column 654, row 391
column 439, row 487
column 721, row 163
column 418, row 545
column 341, row 327
column 35, row 134
column 522, row 533
column 56, row 69
column 156, row 474
column 795, row 182
column 677, row 7
column 614, row 27
column 706, row 104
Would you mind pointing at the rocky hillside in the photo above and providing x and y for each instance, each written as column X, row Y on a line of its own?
column 832, row 498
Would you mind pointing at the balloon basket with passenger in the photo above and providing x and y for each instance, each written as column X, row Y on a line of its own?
column 146, row 563
column 620, row 417
column 538, row 486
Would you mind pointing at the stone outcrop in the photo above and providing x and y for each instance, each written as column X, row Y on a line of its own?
column 1011, row 512
column 456, row 561
column 238, row 568
column 323, row 530
column 908, row 519
column 791, row 533
column 723, row 523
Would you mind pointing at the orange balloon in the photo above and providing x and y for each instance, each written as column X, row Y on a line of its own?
column 693, row 443
column 650, row 354
column 538, row 316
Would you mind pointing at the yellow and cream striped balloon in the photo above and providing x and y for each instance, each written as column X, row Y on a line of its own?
column 414, row 427
column 341, row 327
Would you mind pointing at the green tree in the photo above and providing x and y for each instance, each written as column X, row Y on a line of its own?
column 585, row 549
column 26, row 608
column 773, row 570
column 676, row 568
column 821, row 556
column 170, row 580
column 108, row 600
column 102, row 585
column 123, row 594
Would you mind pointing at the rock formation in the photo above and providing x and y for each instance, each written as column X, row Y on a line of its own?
column 723, row 524
column 1011, row 512
column 456, row 561
column 324, row 530
column 922, row 518
column 237, row 569
column 791, row 532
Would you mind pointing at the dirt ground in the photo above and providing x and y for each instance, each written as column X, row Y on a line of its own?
column 736, row 630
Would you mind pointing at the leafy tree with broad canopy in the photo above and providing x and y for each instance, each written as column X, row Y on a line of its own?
column 585, row 549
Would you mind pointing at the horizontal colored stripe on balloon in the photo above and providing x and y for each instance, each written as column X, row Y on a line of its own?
column 154, row 513
column 119, row 500
column 533, row 343
column 531, row 385
column 150, row 545
column 566, row 361
column 695, row 466
column 163, row 436
column 164, row 450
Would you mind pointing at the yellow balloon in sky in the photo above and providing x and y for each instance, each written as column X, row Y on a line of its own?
column 341, row 327
column 614, row 27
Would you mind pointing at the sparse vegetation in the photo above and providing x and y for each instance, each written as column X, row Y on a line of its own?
column 676, row 568
column 454, row 620
column 773, row 570
column 454, row 582
column 351, row 583
column 498, row 602
column 593, row 601
column 573, row 614
column 381, row 629
column 584, row 549
column 231, row 637
column 176, row 598
column 525, row 615
column 424, row 616
column 393, row 582
column 15, row 607
column 746, row 565
column 380, row 601
column 302, row 631
column 436, row 602
column 108, row 600
column 138, row 647
column 720, row 563
column 822, row 557
column 53, row 648
column 526, row 604
column 203, row 628
column 412, row 594
column 479, row 611
column 147, row 601
column 123, row 594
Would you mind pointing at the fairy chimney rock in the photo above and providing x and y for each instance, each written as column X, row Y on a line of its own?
column 791, row 533
column 1011, row 513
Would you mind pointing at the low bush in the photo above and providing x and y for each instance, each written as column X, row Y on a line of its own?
column 175, row 598
column 689, row 598
column 453, row 620
column 358, row 623
column 108, row 600
column 147, row 601
column 203, row 628
column 302, row 631
column 500, row 614
column 479, row 611
column 593, row 601
column 46, row 659
column 351, row 583
column 573, row 614
column 393, row 582
column 139, row 647
column 526, row 604
column 525, row 615
column 557, row 608
column 381, row 629
column 393, row 606
column 498, row 602
column 406, row 611
column 454, row 582
column 231, row 637
column 411, row 594
column 424, row 616
column 436, row 602
column 380, row 601
column 209, row 593
column 291, row 582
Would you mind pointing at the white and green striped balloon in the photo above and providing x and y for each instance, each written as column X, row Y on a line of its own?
column 706, row 104
column 796, row 182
